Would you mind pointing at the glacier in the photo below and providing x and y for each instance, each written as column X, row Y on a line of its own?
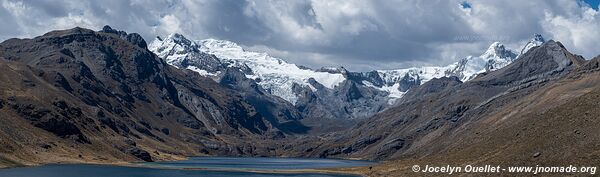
column 211, row 56
column 275, row 75
column 495, row 57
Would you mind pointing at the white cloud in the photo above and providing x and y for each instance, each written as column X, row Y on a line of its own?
column 288, row 18
column 16, row 8
column 579, row 32
column 359, row 33
column 170, row 24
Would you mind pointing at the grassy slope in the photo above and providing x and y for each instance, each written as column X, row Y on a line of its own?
column 561, row 122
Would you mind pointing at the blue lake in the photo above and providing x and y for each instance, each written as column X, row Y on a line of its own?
column 202, row 166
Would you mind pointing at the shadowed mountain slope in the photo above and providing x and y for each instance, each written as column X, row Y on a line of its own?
column 104, row 96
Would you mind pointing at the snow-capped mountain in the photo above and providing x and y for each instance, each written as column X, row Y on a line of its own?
column 495, row 57
column 537, row 40
column 398, row 81
column 329, row 87
column 275, row 75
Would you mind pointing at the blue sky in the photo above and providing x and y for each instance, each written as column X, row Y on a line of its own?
column 360, row 34
column 465, row 4
column 593, row 3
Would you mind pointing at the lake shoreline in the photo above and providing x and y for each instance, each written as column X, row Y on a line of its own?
column 136, row 164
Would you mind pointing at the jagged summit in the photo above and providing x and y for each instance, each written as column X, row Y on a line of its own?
column 495, row 57
column 181, row 52
column 498, row 50
column 537, row 40
column 174, row 38
column 538, row 37
column 134, row 38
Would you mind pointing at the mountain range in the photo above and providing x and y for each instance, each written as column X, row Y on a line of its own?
column 327, row 92
column 106, row 96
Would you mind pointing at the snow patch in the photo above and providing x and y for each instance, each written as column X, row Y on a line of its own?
column 201, row 71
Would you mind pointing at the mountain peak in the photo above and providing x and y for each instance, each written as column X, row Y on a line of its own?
column 173, row 39
column 498, row 50
column 108, row 29
column 537, row 40
column 173, row 44
column 179, row 39
column 134, row 38
column 177, row 36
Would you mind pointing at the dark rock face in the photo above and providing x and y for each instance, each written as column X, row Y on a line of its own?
column 352, row 92
column 109, row 67
column 347, row 101
column 166, row 131
column 408, row 82
column 60, row 124
column 372, row 77
column 352, row 99
column 201, row 60
column 103, row 87
column 277, row 111
column 139, row 153
column 134, row 38
column 389, row 148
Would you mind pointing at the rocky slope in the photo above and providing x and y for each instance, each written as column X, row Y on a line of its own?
column 81, row 95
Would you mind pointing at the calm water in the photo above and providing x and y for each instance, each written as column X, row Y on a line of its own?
column 176, row 169
column 258, row 163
